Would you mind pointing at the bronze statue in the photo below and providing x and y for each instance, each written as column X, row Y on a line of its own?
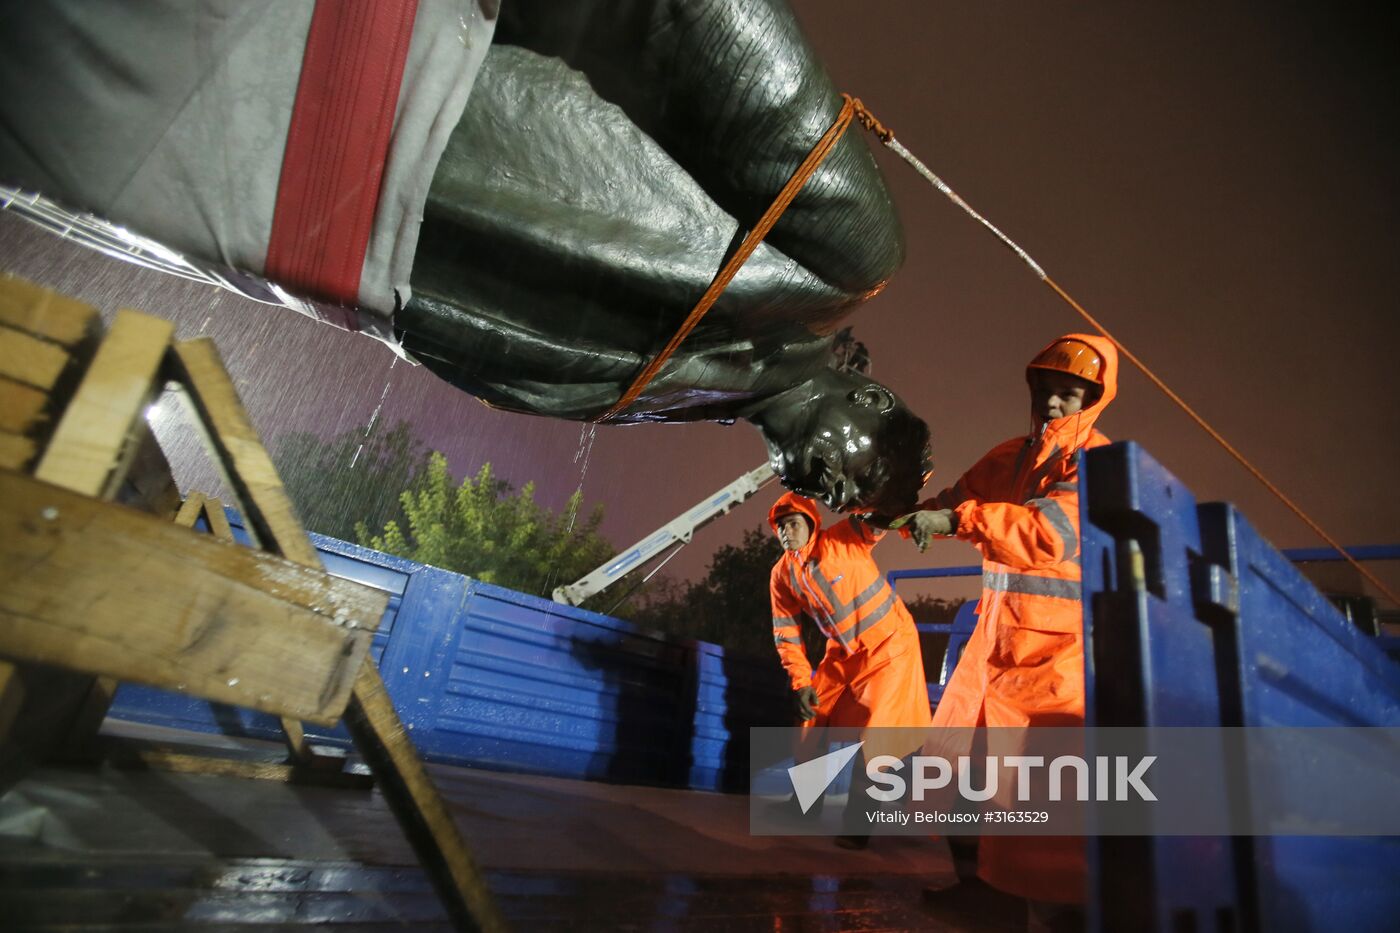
column 609, row 157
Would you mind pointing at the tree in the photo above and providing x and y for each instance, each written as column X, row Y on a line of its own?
column 927, row 608
column 730, row 606
column 483, row 529
column 356, row 476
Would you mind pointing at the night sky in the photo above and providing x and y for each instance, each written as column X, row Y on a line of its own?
column 1215, row 182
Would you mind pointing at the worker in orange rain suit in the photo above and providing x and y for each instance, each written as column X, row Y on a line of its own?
column 872, row 674
column 1024, row 664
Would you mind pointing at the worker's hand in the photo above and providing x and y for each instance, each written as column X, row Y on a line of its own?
column 926, row 525
column 805, row 699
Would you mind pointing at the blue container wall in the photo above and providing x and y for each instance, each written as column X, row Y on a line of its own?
column 488, row 677
column 1193, row 619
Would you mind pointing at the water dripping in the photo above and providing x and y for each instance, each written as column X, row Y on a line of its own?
column 587, row 434
column 373, row 420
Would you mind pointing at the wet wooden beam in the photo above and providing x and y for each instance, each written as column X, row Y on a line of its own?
column 380, row 737
column 27, row 359
column 177, row 611
column 16, row 451
column 134, row 755
column 46, row 700
column 46, row 314
column 217, row 520
column 149, row 484
column 293, row 734
column 267, row 510
column 370, row 717
column 92, row 441
column 11, row 697
column 21, row 407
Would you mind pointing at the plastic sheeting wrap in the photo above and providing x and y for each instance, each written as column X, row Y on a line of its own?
column 120, row 243
column 174, row 117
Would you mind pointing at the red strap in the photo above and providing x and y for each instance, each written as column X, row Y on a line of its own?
column 337, row 144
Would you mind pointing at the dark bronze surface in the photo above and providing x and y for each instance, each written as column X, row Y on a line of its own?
column 611, row 156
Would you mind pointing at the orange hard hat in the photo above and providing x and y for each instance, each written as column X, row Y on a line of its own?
column 1070, row 356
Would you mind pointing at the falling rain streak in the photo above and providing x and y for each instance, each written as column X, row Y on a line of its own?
column 373, row 419
column 586, row 436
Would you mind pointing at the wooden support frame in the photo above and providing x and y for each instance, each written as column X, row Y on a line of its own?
column 373, row 723
column 88, row 461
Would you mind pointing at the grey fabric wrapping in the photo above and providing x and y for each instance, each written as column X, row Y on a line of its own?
column 170, row 117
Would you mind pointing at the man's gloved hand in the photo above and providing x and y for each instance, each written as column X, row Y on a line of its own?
column 805, row 699
column 926, row 525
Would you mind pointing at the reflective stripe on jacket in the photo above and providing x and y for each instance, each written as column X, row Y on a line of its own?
column 834, row 581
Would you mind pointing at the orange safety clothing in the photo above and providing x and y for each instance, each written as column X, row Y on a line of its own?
column 1024, row 664
column 873, row 671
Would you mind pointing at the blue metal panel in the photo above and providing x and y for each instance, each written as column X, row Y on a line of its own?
column 929, row 573
column 489, row 677
column 1299, row 662
column 733, row 694
column 1193, row 619
column 537, row 686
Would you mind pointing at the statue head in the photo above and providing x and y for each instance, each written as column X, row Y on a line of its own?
column 848, row 442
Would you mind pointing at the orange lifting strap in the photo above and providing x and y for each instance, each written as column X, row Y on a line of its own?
column 851, row 108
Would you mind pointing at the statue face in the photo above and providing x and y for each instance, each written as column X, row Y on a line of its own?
column 857, row 450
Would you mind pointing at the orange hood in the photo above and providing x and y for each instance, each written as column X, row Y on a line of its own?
column 792, row 502
column 1072, row 431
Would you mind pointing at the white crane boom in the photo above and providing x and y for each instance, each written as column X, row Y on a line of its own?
column 679, row 529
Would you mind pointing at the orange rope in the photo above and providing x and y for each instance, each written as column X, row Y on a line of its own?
column 750, row 243
column 887, row 137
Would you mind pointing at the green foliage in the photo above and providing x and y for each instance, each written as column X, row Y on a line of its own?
column 354, row 477
column 483, row 529
column 933, row 609
column 925, row 608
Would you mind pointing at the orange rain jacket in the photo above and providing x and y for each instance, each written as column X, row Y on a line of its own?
column 873, row 671
column 1024, row 664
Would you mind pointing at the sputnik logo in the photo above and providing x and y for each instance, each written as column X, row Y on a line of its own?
column 811, row 778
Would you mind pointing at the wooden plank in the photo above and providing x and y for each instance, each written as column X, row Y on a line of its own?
column 92, row 436
column 108, row 590
column 16, row 451
column 49, row 699
column 217, row 520
column 373, row 723
column 190, row 510
column 292, row 732
column 236, row 446
column 155, row 757
column 44, row 313
column 150, row 483
column 29, row 360
column 81, row 744
column 380, row 737
column 21, row 408
column 11, row 697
